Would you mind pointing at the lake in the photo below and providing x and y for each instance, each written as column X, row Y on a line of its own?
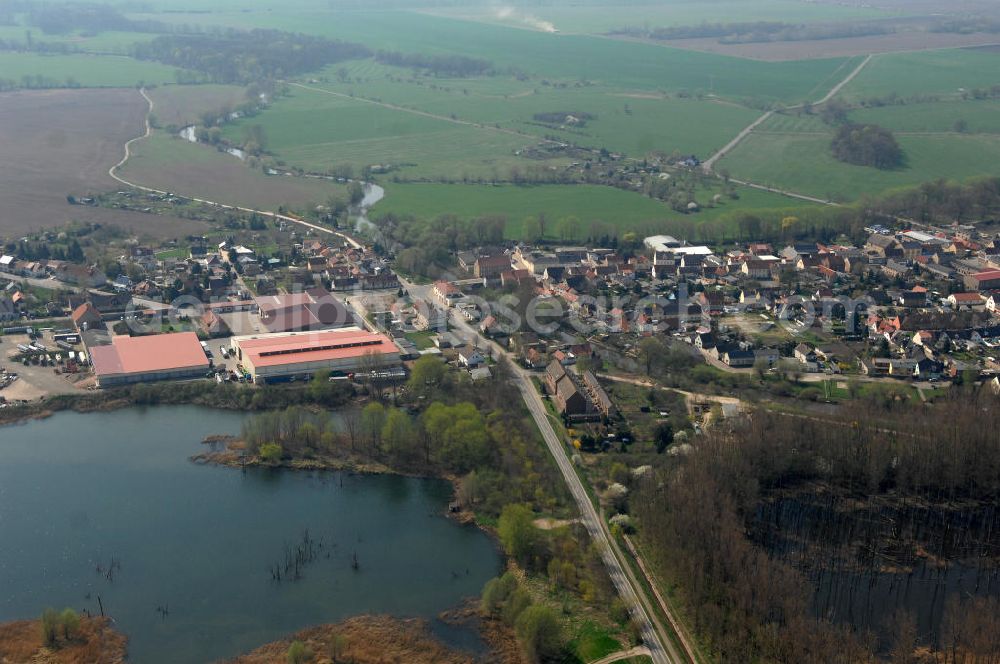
column 182, row 555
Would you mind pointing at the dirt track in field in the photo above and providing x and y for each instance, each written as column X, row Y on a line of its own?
column 55, row 143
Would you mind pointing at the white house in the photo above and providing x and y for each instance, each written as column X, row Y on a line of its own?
column 470, row 358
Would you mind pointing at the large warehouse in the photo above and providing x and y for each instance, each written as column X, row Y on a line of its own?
column 143, row 359
column 277, row 357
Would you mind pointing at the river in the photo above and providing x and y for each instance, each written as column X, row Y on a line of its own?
column 359, row 213
column 82, row 494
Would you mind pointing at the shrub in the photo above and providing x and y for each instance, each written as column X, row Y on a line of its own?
column 270, row 453
column 50, row 627
column 298, row 653
column 69, row 620
column 539, row 632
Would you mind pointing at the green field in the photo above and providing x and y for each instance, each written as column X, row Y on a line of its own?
column 601, row 18
column 89, row 71
column 625, row 121
column 981, row 116
column 622, row 210
column 560, row 57
column 942, row 73
column 803, row 163
column 168, row 163
column 317, row 131
column 105, row 43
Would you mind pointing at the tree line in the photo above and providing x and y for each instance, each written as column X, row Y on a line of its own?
column 439, row 65
column 247, row 57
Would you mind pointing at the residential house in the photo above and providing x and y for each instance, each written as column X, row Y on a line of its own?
column 804, row 353
column 87, row 317
column 757, row 269
column 446, row 293
column 470, row 358
column 491, row 267
column 598, row 396
column 122, row 284
column 769, row 355
column 894, row 269
column 913, row 298
column 738, row 358
column 430, row 317
column 966, row 301
column 884, row 246
column 569, row 400
column 711, row 301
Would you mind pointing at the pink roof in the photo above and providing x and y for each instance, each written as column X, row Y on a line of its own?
column 319, row 346
column 269, row 303
column 988, row 276
column 159, row 352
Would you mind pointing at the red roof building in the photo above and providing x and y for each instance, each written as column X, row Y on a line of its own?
column 277, row 357
column 984, row 280
column 146, row 359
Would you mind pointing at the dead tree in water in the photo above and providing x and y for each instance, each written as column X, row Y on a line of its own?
column 297, row 558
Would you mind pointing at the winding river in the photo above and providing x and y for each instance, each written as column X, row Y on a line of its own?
column 359, row 213
column 181, row 555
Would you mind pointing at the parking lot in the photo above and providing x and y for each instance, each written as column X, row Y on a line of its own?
column 42, row 378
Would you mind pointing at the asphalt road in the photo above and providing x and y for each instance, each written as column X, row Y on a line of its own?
column 661, row 650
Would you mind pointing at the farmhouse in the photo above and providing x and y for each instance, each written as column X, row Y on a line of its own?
column 491, row 267
column 287, row 356
column 966, row 301
column 86, row 317
column 145, row 359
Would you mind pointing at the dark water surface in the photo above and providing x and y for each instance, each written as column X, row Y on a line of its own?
column 78, row 492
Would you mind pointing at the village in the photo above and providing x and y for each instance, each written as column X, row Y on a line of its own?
column 806, row 320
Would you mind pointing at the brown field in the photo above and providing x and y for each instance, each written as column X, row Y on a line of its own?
column 834, row 48
column 60, row 142
column 379, row 640
column 181, row 105
column 96, row 642
column 169, row 163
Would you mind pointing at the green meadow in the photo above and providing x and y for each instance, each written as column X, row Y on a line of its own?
column 561, row 57
column 802, row 162
column 90, row 71
column 110, row 42
column 627, row 121
column 980, row 116
column 598, row 19
column 317, row 131
column 622, row 210
column 944, row 73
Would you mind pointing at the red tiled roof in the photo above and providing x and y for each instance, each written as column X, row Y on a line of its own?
column 160, row 352
column 319, row 346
